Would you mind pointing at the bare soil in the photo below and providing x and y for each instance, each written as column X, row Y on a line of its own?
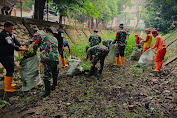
column 100, row 96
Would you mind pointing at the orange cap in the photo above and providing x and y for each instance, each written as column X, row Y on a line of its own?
column 148, row 29
column 136, row 35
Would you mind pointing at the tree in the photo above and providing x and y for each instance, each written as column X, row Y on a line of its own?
column 39, row 9
column 161, row 14
column 76, row 6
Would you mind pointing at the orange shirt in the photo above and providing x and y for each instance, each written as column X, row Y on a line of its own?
column 137, row 41
column 159, row 43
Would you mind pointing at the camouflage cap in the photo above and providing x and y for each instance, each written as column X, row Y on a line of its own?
column 34, row 27
column 54, row 30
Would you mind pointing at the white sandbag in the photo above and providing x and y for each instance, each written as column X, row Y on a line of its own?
column 31, row 73
column 75, row 67
column 147, row 59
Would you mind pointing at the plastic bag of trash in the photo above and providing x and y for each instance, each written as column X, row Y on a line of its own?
column 30, row 73
column 136, row 54
column 75, row 66
column 146, row 59
column 111, row 54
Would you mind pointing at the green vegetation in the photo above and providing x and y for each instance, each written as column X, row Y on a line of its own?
column 160, row 14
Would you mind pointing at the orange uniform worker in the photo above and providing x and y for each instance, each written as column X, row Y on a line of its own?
column 147, row 42
column 138, row 40
column 160, row 46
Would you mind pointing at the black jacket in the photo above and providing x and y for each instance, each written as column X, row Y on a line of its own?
column 7, row 44
column 60, row 37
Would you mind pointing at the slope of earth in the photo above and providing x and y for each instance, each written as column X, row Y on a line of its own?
column 101, row 96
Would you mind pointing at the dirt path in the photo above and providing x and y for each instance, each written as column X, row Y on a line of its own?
column 108, row 95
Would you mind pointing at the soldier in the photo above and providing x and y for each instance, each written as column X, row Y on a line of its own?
column 94, row 39
column 60, row 37
column 49, row 58
column 8, row 43
column 107, row 42
column 35, row 36
column 121, row 42
column 99, row 52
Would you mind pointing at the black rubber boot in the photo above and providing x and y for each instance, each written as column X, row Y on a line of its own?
column 47, row 88
column 92, row 71
column 54, row 84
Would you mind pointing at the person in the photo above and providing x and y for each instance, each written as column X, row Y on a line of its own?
column 66, row 44
column 35, row 35
column 160, row 46
column 138, row 41
column 94, row 39
column 8, row 43
column 60, row 37
column 99, row 52
column 147, row 42
column 49, row 57
column 8, row 7
column 107, row 42
column 121, row 42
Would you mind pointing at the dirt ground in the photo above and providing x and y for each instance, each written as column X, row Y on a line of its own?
column 101, row 96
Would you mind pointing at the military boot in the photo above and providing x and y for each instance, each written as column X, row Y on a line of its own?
column 47, row 88
column 92, row 70
column 54, row 83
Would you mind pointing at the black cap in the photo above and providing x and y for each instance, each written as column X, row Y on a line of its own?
column 95, row 30
column 8, row 24
column 121, row 25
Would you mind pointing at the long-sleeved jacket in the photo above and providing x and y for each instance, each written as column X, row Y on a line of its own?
column 60, row 37
column 8, row 43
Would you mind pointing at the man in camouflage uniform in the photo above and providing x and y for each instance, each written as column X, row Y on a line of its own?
column 107, row 42
column 94, row 39
column 99, row 52
column 121, row 42
column 49, row 57
column 36, row 32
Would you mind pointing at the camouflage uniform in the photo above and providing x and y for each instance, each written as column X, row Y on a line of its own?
column 49, row 56
column 35, row 36
column 99, row 52
column 120, row 43
column 107, row 42
column 94, row 39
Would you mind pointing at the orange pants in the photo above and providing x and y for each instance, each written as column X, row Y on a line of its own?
column 146, row 49
column 160, row 55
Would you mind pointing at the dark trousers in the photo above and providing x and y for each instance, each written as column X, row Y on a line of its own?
column 8, row 63
column 50, row 69
column 120, row 51
column 61, row 53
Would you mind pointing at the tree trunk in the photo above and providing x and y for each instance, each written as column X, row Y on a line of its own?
column 88, row 23
column 92, row 24
column 61, row 18
column 96, row 23
column 39, row 9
